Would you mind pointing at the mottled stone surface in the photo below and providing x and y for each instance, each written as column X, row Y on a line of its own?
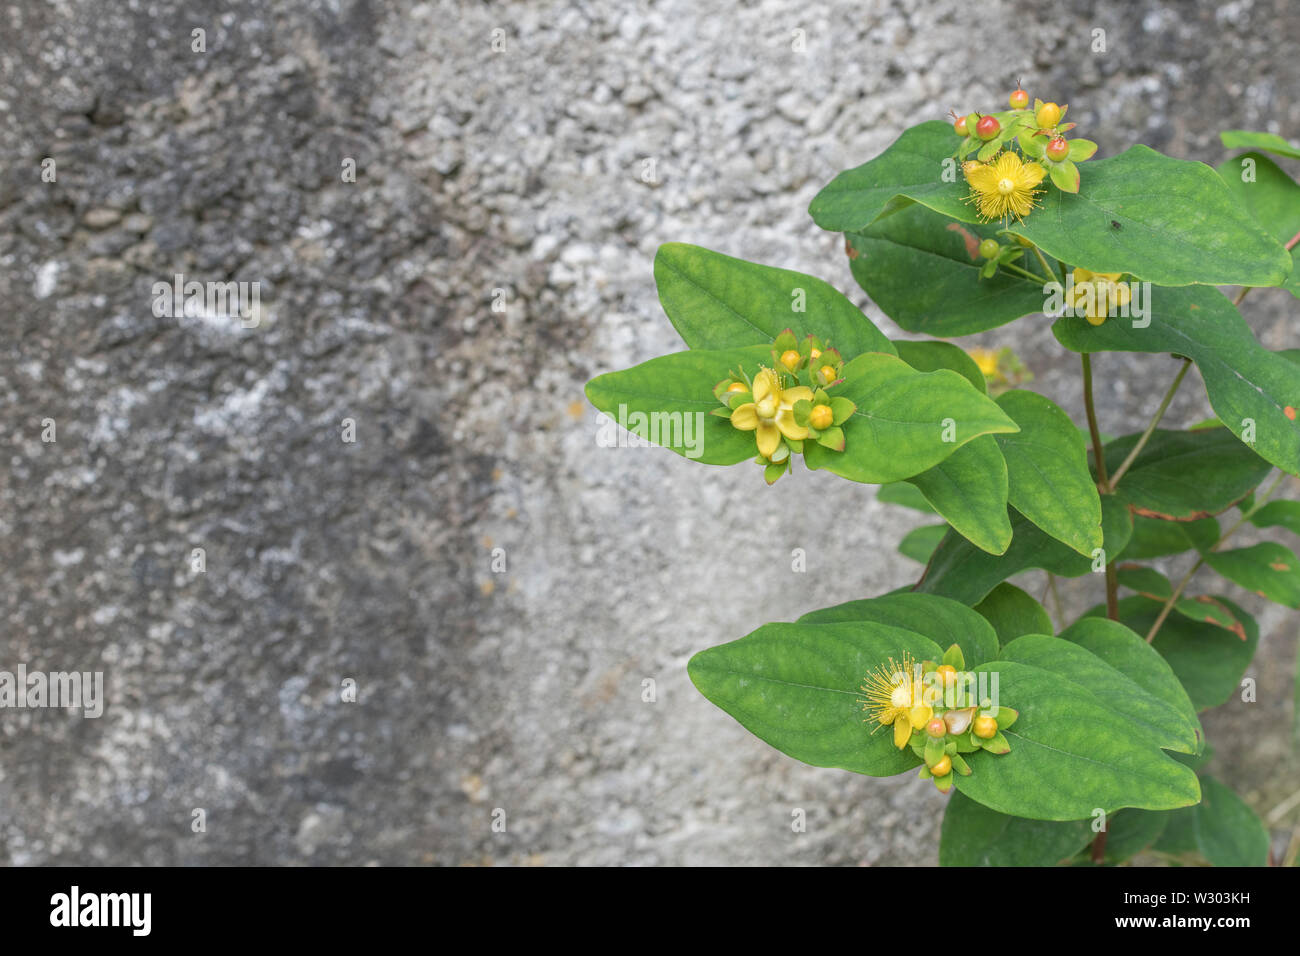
column 477, row 171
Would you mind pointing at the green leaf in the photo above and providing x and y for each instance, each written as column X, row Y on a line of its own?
column 1269, row 569
column 1221, row 828
column 1208, row 660
column 941, row 620
column 668, row 401
column 1151, row 583
column 1270, row 142
column 1064, row 175
column 1155, row 703
column 912, row 169
column 1270, row 196
column 974, row 835
column 1278, row 514
column 1247, row 384
column 961, row 571
column 1129, row 832
column 927, row 356
column 886, row 258
column 902, row 420
column 1012, row 613
column 1070, row 754
column 919, row 543
column 1156, row 538
column 1047, row 466
column 796, row 686
column 1181, row 476
column 717, row 302
column 1082, row 149
column 904, row 494
column 969, row 488
column 1146, row 193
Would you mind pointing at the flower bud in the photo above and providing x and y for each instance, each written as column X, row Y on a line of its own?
column 989, row 248
column 821, row 417
column 1058, row 149
column 1049, row 114
column 943, row 767
column 985, row 728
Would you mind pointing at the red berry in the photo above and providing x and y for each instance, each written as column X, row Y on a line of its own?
column 1019, row 99
column 987, row 127
column 1058, row 149
column 960, row 126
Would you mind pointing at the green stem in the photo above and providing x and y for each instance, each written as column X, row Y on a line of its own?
column 1103, row 482
column 1025, row 272
column 1182, row 585
column 1146, row 435
column 1046, row 268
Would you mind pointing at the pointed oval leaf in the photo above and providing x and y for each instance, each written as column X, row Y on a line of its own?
column 797, row 687
column 717, row 302
column 905, row 421
column 669, row 400
column 1122, row 671
column 1070, row 755
column 1183, row 476
column 941, row 620
column 974, row 835
column 969, row 488
column 1255, row 392
column 1047, row 466
column 961, row 571
column 886, row 257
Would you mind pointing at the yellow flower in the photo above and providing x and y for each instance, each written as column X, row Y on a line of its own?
column 896, row 697
column 987, row 360
column 771, row 413
column 1004, row 187
column 1098, row 294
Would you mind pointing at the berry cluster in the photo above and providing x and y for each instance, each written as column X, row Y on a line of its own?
column 1013, row 150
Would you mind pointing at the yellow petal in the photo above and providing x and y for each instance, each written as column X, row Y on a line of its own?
column 1032, row 175
column 1082, row 275
column 800, row 393
column 745, row 417
column 984, row 179
column 920, row 715
column 1108, row 276
column 768, row 438
column 764, row 384
column 1008, row 164
column 789, row 427
column 902, row 731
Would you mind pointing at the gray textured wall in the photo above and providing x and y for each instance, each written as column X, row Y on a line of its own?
column 477, row 171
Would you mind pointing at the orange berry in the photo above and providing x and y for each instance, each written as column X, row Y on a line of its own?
column 821, row 417
column 791, row 359
column 943, row 767
column 986, row 728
